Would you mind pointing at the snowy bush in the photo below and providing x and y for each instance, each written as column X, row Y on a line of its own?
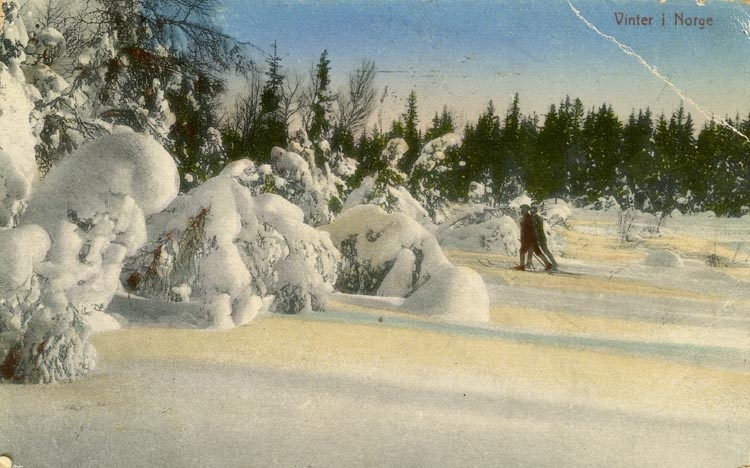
column 18, row 171
column 387, row 189
column 605, row 204
column 523, row 199
column 289, row 175
column 482, row 231
column 235, row 253
column 556, row 212
column 390, row 254
column 92, row 207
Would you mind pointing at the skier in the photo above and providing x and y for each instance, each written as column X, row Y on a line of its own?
column 541, row 237
column 528, row 240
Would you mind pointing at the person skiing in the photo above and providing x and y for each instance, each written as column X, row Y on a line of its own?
column 528, row 240
column 541, row 237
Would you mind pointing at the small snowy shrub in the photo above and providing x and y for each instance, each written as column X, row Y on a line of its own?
column 234, row 253
column 289, row 176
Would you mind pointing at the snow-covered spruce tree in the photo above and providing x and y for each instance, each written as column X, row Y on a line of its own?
column 234, row 253
column 386, row 188
column 13, row 38
column 433, row 174
column 318, row 100
column 67, row 114
column 390, row 254
column 18, row 172
column 154, row 66
column 92, row 206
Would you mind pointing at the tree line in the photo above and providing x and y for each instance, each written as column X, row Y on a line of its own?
column 654, row 163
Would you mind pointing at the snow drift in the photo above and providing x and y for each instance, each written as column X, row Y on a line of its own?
column 390, row 254
column 664, row 258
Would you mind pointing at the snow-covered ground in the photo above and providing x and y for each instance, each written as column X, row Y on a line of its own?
column 634, row 356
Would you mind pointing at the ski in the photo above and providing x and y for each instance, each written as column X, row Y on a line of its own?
column 490, row 264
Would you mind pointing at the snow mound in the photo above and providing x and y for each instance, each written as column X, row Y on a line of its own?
column 390, row 254
column 114, row 166
column 235, row 254
column 392, row 198
column 18, row 170
column 664, row 258
column 456, row 293
column 20, row 250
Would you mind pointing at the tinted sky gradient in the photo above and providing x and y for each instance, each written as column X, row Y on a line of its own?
column 466, row 53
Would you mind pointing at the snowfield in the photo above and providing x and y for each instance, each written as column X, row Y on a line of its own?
column 635, row 355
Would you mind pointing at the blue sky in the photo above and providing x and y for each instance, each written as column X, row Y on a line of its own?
column 465, row 53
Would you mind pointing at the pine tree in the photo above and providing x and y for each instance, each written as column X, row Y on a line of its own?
column 441, row 125
column 638, row 155
column 368, row 154
column 602, row 141
column 674, row 151
column 480, row 151
column 722, row 163
column 516, row 144
column 411, row 132
column 558, row 150
column 320, row 100
column 272, row 127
